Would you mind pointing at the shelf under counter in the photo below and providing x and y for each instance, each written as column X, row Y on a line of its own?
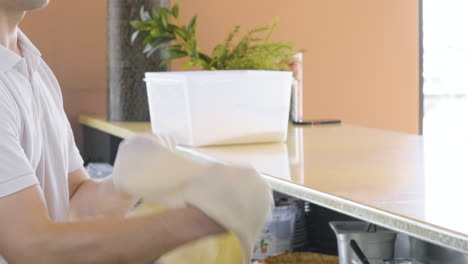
column 407, row 183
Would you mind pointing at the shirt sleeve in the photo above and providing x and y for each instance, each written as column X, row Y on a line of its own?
column 16, row 172
column 75, row 161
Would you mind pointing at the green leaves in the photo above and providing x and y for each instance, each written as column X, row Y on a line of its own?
column 144, row 15
column 157, row 31
column 192, row 25
column 175, row 11
column 140, row 25
column 187, row 65
column 181, row 33
column 134, row 36
column 174, row 55
column 163, row 18
column 255, row 50
column 220, row 51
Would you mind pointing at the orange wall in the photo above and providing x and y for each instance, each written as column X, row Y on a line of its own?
column 361, row 60
column 361, row 63
column 72, row 38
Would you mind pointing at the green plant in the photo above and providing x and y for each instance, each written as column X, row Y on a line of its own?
column 255, row 50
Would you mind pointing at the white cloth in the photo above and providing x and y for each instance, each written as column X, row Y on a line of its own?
column 148, row 166
column 237, row 198
column 36, row 141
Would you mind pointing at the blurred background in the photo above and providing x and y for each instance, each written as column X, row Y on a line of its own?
column 361, row 63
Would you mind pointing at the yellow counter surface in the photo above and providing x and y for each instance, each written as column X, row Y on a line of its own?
column 118, row 129
column 407, row 183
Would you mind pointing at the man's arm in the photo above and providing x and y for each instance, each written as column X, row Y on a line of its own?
column 27, row 235
column 96, row 198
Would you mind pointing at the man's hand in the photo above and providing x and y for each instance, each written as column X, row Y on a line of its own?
column 92, row 198
column 96, row 199
column 149, row 166
column 27, row 235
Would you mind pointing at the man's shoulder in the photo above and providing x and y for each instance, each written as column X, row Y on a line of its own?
column 5, row 93
column 50, row 81
column 8, row 103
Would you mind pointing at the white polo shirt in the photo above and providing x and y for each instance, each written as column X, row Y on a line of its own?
column 36, row 141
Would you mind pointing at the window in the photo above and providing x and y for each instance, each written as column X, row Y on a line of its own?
column 445, row 74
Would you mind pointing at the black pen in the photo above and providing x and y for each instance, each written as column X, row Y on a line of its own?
column 318, row 122
column 325, row 122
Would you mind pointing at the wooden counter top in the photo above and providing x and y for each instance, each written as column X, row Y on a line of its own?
column 407, row 183
column 118, row 129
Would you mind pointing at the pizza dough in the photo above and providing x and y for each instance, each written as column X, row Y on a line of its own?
column 218, row 249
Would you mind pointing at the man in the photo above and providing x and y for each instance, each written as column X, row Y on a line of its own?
column 43, row 184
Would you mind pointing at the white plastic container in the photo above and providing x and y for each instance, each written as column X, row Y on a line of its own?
column 278, row 234
column 202, row 108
